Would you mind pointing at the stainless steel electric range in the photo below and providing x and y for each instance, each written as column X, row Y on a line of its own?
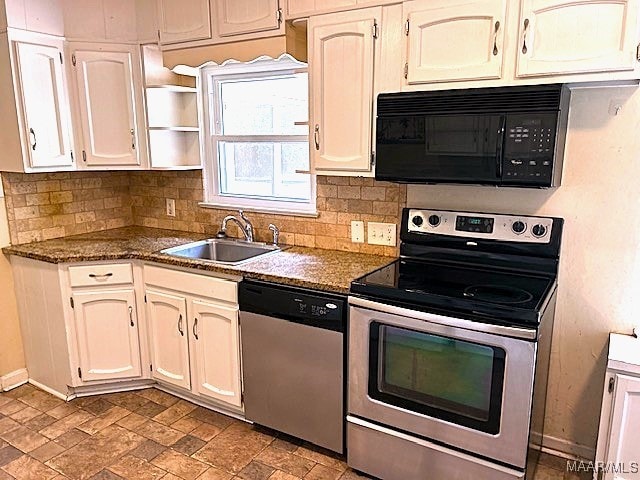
column 449, row 349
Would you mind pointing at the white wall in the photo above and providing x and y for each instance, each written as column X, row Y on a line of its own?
column 599, row 278
column 11, row 353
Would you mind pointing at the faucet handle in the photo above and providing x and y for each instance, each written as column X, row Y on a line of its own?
column 276, row 233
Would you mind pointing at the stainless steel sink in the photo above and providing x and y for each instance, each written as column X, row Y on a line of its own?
column 228, row 252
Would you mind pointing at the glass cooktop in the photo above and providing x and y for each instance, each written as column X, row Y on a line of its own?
column 447, row 287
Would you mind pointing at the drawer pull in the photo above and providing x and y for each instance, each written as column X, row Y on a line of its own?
column 180, row 326
column 103, row 275
column 131, row 316
column 195, row 328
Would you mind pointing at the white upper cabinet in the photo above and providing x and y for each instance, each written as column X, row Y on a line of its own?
column 342, row 57
column 237, row 17
column 167, row 320
column 181, row 21
column 454, row 42
column 566, row 37
column 43, row 16
column 107, row 334
column 215, row 338
column 42, row 87
column 108, row 98
column 93, row 20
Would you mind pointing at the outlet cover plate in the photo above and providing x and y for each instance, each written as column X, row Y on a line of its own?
column 357, row 231
column 381, row 234
column 171, row 207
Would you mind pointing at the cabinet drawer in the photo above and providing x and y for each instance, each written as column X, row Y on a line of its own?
column 93, row 275
column 192, row 284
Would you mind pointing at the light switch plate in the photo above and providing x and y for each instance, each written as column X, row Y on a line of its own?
column 357, row 231
column 381, row 234
column 171, row 207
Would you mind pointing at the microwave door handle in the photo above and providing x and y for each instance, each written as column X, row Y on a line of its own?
column 503, row 122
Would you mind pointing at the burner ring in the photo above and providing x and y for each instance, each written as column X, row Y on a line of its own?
column 498, row 294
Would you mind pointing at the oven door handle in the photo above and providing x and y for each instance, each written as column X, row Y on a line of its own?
column 515, row 332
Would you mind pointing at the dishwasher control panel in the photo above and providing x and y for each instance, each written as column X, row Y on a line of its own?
column 298, row 305
column 316, row 307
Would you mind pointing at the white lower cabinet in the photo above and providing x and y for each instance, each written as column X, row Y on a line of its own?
column 216, row 373
column 167, row 318
column 619, row 433
column 194, row 334
column 82, row 328
column 85, row 330
column 107, row 334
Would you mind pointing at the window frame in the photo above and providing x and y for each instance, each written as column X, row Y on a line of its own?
column 210, row 78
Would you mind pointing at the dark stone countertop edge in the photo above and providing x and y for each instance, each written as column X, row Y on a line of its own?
column 163, row 259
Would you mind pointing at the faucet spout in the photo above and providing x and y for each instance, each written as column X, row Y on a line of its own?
column 245, row 225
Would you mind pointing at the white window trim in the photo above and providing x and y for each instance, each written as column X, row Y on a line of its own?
column 212, row 198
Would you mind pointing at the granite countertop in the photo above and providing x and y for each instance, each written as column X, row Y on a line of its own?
column 327, row 270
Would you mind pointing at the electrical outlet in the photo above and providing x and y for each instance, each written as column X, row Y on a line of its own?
column 357, row 231
column 381, row 234
column 171, row 207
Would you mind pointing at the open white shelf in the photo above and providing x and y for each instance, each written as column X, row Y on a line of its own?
column 171, row 149
column 170, row 108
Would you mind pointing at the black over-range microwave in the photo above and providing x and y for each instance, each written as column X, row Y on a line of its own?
column 504, row 136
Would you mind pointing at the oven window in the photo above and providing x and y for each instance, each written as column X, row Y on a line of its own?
column 449, row 379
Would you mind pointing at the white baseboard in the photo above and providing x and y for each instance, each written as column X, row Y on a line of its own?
column 53, row 392
column 560, row 447
column 13, row 379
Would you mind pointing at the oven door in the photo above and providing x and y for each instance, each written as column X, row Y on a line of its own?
column 444, row 379
column 440, row 148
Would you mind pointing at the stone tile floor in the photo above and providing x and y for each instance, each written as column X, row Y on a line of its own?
column 149, row 435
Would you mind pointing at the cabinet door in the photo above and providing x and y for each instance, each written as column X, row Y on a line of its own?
column 107, row 334
column 167, row 317
column 235, row 17
column 298, row 8
column 624, row 435
column 458, row 42
column 182, row 21
column 561, row 37
column 45, row 106
column 341, row 66
column 107, row 107
column 216, row 373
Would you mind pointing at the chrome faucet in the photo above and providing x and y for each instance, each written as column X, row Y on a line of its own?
column 276, row 233
column 245, row 226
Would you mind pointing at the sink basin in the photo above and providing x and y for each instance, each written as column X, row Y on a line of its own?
column 228, row 252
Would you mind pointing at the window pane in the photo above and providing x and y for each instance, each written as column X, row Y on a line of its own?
column 265, row 106
column 265, row 170
column 246, row 168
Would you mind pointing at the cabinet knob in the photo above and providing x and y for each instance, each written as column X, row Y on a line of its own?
column 195, row 328
column 131, row 316
column 495, row 38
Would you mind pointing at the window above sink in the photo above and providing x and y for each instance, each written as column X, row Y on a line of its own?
column 257, row 138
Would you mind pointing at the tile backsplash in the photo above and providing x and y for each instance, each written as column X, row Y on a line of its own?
column 44, row 206
column 41, row 206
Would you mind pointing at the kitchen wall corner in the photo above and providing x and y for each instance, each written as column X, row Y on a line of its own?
column 11, row 352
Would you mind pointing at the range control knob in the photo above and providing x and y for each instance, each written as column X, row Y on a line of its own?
column 434, row 220
column 539, row 231
column 417, row 220
column 518, row 227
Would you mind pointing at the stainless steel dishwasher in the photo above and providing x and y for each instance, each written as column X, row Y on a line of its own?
column 293, row 361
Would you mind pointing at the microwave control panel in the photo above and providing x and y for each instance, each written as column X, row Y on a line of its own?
column 529, row 148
